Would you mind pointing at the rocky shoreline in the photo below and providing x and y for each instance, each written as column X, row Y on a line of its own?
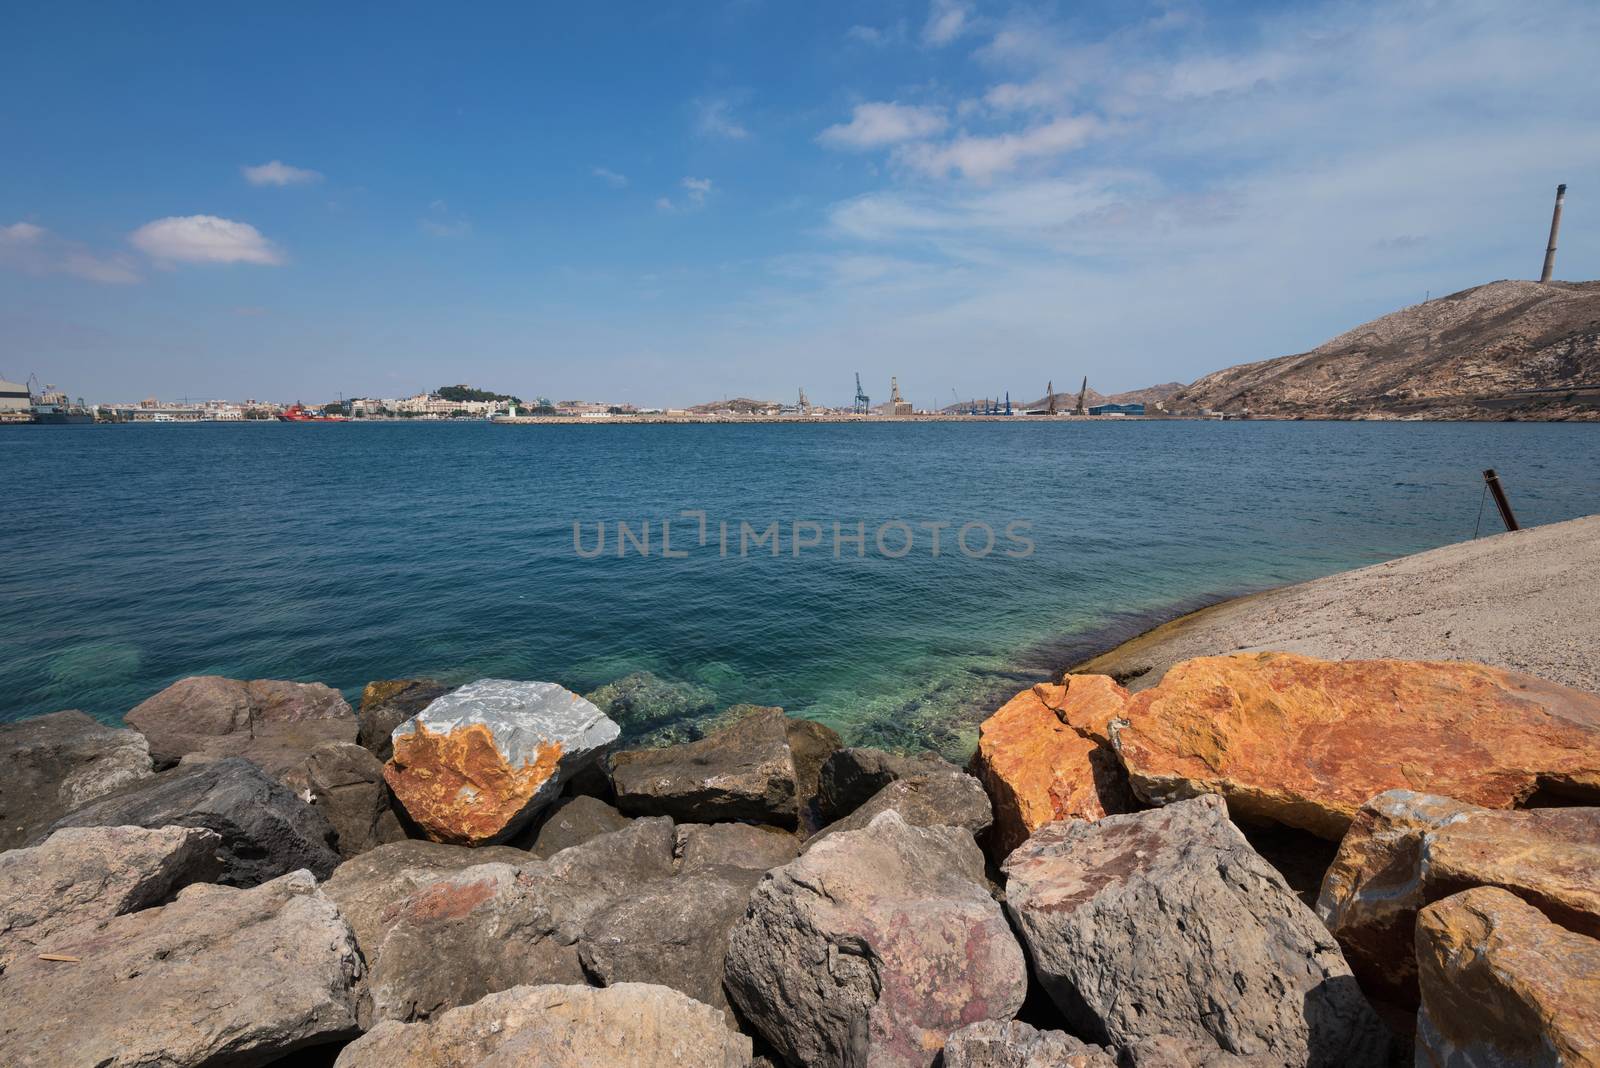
column 1264, row 858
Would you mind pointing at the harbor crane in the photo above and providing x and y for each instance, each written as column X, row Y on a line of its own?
column 1082, row 396
column 1050, row 397
column 863, row 402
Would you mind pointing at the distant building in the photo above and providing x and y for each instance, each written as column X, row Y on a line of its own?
column 14, row 401
column 1117, row 409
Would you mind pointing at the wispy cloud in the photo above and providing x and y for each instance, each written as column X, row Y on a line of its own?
column 279, row 173
column 32, row 249
column 204, row 239
column 984, row 158
column 878, row 124
column 714, row 118
column 947, row 20
column 610, row 177
column 442, row 222
column 695, row 192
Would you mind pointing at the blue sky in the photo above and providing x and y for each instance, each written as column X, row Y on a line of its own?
column 666, row 203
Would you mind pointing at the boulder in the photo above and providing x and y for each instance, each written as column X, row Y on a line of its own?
column 950, row 798
column 270, row 721
column 93, row 873
column 632, row 1025
column 1046, row 756
column 849, row 777
column 873, row 947
column 1303, row 742
column 1167, row 923
column 55, row 763
column 266, row 830
column 476, row 765
column 1014, row 1044
column 758, row 768
column 1170, row 1051
column 733, row 845
column 810, row 745
column 387, row 703
column 344, row 782
column 460, row 935
column 1502, row 985
column 366, row 888
column 672, row 931
column 1406, row 850
column 573, row 821
column 219, row 976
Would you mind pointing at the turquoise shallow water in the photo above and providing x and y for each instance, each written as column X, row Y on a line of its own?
column 135, row 555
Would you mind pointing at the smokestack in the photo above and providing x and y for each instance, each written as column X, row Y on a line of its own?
column 1555, row 228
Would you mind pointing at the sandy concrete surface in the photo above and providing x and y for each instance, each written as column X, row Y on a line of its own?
column 1528, row 600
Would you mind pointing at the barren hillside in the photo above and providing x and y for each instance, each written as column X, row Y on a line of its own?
column 1502, row 350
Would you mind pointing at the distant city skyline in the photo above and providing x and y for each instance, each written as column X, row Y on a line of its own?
column 668, row 204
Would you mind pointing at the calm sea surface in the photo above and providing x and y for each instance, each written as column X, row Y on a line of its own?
column 135, row 555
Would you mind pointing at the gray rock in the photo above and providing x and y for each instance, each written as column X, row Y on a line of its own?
column 810, row 745
column 671, row 931
column 951, row 798
column 459, row 936
column 849, row 777
column 573, row 821
column 55, row 763
column 266, row 830
column 761, row 767
column 734, row 845
column 1170, row 1051
column 344, row 782
column 632, row 1025
column 93, row 873
column 367, row 888
column 873, row 947
column 477, row 764
column 387, row 703
column 218, row 977
column 1167, row 923
column 273, row 722
column 1014, row 1044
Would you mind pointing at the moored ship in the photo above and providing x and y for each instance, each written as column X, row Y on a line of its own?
column 51, row 408
column 297, row 413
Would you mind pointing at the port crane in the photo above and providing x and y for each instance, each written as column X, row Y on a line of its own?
column 1082, row 395
column 1050, row 397
column 863, row 402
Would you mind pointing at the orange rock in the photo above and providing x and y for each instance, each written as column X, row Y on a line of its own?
column 459, row 788
column 1406, row 850
column 1045, row 755
column 1501, row 984
column 1303, row 742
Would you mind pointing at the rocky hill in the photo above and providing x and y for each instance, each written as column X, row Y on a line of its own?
column 1505, row 350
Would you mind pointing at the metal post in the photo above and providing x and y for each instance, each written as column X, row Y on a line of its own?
column 1555, row 228
column 1493, row 482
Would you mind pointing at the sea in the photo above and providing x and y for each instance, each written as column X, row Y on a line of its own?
column 897, row 581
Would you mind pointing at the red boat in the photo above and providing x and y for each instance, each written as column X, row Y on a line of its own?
column 296, row 413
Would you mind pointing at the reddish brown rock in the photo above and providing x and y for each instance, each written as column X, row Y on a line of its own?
column 387, row 703
column 1406, row 850
column 476, row 765
column 271, row 722
column 1501, row 984
column 1303, row 742
column 1045, row 756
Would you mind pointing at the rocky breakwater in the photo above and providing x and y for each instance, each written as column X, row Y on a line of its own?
column 475, row 765
column 506, row 889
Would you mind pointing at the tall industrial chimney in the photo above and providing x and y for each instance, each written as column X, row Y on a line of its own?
column 1555, row 228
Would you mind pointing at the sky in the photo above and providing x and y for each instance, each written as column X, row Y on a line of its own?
column 668, row 203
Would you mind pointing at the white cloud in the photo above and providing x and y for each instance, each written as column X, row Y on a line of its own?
column 204, row 239
column 714, row 118
column 22, row 233
column 32, row 249
column 279, row 173
column 984, row 158
column 695, row 192
column 947, row 20
column 875, row 125
column 610, row 177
